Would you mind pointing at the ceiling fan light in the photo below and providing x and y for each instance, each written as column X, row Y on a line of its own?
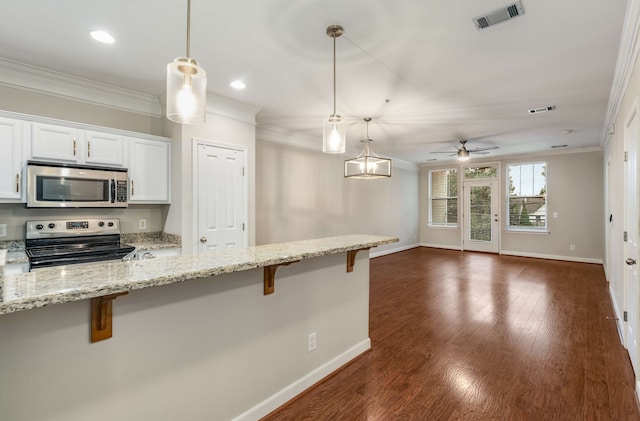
column 463, row 155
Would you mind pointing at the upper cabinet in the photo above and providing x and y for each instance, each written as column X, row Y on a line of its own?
column 69, row 144
column 149, row 170
column 11, row 185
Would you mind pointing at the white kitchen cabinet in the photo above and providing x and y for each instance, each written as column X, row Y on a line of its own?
column 104, row 149
column 58, row 143
column 11, row 185
column 71, row 145
column 149, row 170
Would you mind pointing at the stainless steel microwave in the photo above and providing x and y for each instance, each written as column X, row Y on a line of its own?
column 69, row 186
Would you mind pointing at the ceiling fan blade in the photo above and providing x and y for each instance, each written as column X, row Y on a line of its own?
column 488, row 148
column 452, row 152
column 479, row 153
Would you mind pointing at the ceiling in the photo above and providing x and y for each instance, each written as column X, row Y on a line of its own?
column 419, row 68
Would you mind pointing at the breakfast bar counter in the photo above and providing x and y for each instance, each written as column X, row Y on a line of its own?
column 72, row 283
column 227, row 335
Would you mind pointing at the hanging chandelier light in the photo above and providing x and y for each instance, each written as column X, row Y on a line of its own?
column 333, row 131
column 367, row 164
column 186, row 86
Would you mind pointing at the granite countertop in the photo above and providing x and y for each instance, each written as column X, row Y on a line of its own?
column 73, row 283
column 15, row 251
column 152, row 241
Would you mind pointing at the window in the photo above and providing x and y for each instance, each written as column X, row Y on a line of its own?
column 443, row 198
column 527, row 196
column 487, row 171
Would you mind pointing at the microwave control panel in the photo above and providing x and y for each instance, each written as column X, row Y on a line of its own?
column 121, row 191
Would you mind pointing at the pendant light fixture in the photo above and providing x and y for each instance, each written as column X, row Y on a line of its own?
column 333, row 131
column 367, row 165
column 186, row 86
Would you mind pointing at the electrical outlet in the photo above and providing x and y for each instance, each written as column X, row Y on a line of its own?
column 3, row 230
column 311, row 342
column 572, row 247
column 142, row 224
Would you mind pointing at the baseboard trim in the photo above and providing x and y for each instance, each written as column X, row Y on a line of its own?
column 552, row 257
column 441, row 246
column 393, row 250
column 618, row 314
column 283, row 396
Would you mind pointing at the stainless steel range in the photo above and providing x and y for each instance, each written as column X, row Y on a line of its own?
column 69, row 242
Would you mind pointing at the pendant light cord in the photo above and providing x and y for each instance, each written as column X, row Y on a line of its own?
column 188, row 28
column 334, row 74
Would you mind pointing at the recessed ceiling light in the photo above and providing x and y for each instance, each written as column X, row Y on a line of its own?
column 238, row 84
column 103, row 37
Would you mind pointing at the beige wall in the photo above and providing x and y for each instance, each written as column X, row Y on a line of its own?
column 575, row 190
column 20, row 101
column 301, row 194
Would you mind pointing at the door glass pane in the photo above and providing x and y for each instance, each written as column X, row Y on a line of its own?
column 480, row 213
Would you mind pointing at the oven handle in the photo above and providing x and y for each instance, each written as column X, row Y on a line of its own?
column 113, row 191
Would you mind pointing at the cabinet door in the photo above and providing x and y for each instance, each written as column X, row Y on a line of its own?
column 56, row 143
column 11, row 185
column 149, row 171
column 104, row 149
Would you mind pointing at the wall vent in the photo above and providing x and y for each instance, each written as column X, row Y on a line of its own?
column 499, row 15
column 542, row 109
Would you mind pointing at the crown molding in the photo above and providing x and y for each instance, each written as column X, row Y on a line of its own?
column 298, row 140
column 37, row 79
column 230, row 108
column 627, row 56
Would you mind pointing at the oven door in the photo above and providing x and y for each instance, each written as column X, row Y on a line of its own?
column 74, row 187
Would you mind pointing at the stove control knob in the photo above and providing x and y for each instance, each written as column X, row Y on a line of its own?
column 110, row 224
column 39, row 226
column 51, row 225
column 101, row 224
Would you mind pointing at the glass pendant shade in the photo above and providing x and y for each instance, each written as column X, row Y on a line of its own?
column 367, row 165
column 334, row 139
column 186, row 91
column 463, row 155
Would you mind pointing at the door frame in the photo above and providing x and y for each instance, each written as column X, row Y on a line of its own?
column 194, row 185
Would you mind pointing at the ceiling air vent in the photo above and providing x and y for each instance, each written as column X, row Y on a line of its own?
column 500, row 15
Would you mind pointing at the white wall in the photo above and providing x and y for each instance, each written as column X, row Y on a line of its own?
column 206, row 349
column 575, row 190
column 301, row 193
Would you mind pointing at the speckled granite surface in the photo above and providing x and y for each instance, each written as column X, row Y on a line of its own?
column 72, row 283
column 15, row 251
column 152, row 240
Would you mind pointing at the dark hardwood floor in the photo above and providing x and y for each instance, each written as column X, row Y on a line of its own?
column 474, row 336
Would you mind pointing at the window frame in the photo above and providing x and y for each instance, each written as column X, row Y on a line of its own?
column 523, row 228
column 446, row 225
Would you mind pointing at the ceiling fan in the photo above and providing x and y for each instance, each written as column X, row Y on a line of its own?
column 463, row 152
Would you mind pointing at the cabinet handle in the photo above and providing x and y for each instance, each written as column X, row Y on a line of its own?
column 18, row 183
column 132, row 187
column 89, row 149
column 74, row 147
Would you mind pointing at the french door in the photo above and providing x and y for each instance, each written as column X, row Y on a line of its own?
column 481, row 219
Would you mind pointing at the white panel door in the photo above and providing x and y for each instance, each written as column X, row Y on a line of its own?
column 220, row 198
column 632, row 228
column 480, row 217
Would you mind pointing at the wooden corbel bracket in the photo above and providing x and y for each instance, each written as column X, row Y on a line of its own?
column 351, row 258
column 101, row 316
column 270, row 277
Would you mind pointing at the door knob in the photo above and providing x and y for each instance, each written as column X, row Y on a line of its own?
column 631, row 261
column 204, row 240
